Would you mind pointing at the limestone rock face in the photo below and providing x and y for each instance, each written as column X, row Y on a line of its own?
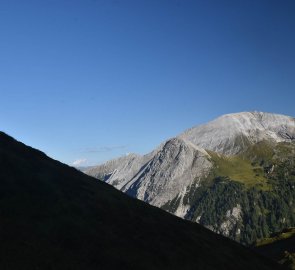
column 176, row 165
column 117, row 171
column 231, row 218
column 158, row 176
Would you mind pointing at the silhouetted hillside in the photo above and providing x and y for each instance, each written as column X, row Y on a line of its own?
column 55, row 217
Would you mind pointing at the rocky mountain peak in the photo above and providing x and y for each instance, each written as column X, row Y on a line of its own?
column 230, row 133
column 204, row 173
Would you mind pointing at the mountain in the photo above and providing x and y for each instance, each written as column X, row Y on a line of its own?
column 232, row 133
column 234, row 175
column 280, row 246
column 55, row 217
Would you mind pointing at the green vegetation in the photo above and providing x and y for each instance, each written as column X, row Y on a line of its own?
column 260, row 182
column 54, row 217
column 261, row 153
column 241, row 170
column 279, row 246
column 285, row 234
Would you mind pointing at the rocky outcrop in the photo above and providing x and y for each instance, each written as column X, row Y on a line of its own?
column 232, row 217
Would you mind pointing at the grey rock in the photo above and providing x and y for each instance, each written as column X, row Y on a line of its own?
column 231, row 133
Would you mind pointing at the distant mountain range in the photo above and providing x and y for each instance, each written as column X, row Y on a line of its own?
column 54, row 217
column 234, row 175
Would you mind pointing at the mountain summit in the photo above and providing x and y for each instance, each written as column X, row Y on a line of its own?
column 231, row 133
column 242, row 154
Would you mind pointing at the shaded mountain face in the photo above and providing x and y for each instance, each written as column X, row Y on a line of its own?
column 55, row 217
column 234, row 175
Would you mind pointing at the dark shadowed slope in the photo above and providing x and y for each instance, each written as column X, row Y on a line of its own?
column 280, row 246
column 54, row 217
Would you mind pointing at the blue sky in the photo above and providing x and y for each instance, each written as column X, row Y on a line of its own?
column 92, row 80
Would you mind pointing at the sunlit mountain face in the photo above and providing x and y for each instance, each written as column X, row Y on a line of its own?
column 234, row 175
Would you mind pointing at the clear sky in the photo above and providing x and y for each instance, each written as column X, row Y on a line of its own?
column 92, row 80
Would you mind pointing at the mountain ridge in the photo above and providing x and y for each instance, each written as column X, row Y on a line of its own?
column 255, row 126
column 233, row 146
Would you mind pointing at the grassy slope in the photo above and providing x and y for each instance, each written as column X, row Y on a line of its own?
column 280, row 246
column 54, row 217
column 260, row 180
column 241, row 170
column 249, row 167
